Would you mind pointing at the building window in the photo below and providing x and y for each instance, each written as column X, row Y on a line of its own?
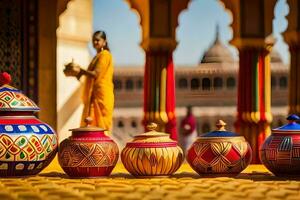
column 182, row 83
column 139, row 84
column 283, row 82
column 218, row 83
column 205, row 128
column 117, row 84
column 129, row 84
column 230, row 83
column 206, row 84
column 120, row 124
column 195, row 84
column 273, row 82
column 133, row 124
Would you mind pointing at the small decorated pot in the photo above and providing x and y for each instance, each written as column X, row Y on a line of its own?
column 280, row 152
column 152, row 154
column 27, row 145
column 88, row 152
column 219, row 153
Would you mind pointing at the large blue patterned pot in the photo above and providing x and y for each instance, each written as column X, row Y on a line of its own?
column 27, row 145
column 280, row 152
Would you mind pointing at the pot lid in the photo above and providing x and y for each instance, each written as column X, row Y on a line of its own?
column 152, row 136
column 221, row 131
column 291, row 126
column 12, row 99
column 88, row 127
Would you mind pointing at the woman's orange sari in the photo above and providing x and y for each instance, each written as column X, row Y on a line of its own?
column 98, row 96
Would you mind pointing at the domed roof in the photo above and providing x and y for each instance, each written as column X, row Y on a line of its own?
column 275, row 56
column 217, row 53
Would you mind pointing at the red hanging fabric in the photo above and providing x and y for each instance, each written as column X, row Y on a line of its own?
column 262, row 86
column 170, row 100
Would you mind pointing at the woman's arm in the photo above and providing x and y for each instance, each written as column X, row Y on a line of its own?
column 75, row 70
column 89, row 73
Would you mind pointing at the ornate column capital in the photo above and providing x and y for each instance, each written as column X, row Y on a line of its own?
column 265, row 43
column 292, row 37
column 159, row 20
column 251, row 22
column 292, row 33
column 159, row 44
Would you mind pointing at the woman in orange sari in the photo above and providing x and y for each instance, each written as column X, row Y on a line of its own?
column 98, row 97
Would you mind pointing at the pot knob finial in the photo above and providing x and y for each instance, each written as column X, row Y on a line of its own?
column 88, row 121
column 5, row 78
column 293, row 118
column 152, row 126
column 220, row 125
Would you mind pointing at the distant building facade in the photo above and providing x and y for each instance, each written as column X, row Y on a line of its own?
column 210, row 87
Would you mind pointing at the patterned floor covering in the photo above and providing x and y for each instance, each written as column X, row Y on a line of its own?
column 52, row 184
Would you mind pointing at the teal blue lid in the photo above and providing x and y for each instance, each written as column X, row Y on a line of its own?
column 221, row 131
column 291, row 126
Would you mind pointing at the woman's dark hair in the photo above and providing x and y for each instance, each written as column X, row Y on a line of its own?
column 101, row 34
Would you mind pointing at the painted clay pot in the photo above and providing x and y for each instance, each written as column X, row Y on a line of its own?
column 152, row 154
column 280, row 152
column 219, row 153
column 88, row 152
column 27, row 145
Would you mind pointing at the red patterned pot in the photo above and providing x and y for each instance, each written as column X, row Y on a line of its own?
column 27, row 145
column 152, row 154
column 219, row 153
column 88, row 153
column 280, row 152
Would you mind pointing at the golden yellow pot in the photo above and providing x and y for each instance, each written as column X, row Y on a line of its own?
column 152, row 154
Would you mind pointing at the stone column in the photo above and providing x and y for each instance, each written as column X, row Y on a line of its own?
column 254, row 95
column 158, row 22
column 292, row 38
column 48, row 14
column 47, row 61
column 252, row 24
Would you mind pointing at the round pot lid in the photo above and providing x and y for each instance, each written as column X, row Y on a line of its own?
column 292, row 126
column 220, row 131
column 152, row 136
column 12, row 99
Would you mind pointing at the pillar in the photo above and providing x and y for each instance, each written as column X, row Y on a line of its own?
column 158, row 22
column 47, row 12
column 48, row 21
column 292, row 38
column 252, row 26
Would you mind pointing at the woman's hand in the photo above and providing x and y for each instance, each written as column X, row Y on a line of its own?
column 72, row 69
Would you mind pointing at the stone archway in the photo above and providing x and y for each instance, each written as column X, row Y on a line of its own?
column 73, row 36
column 159, row 20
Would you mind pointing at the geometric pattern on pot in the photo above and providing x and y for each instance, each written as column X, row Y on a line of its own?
column 104, row 154
column 220, row 157
column 152, row 161
column 281, row 150
column 23, row 148
column 11, row 98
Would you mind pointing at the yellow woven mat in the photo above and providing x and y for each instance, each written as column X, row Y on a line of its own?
column 52, row 184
